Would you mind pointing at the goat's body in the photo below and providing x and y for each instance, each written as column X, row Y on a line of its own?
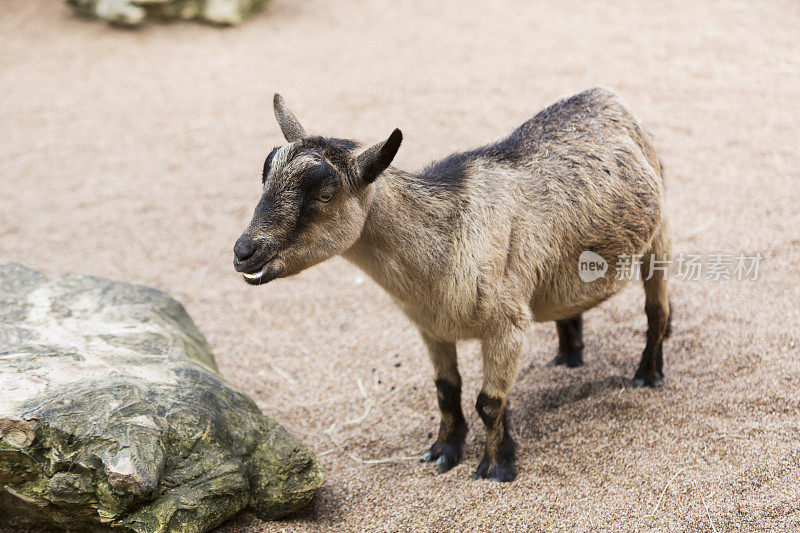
column 493, row 235
column 479, row 243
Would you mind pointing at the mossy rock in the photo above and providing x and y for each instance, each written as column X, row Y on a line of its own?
column 113, row 416
column 133, row 13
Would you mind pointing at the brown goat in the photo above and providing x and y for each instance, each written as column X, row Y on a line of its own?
column 477, row 245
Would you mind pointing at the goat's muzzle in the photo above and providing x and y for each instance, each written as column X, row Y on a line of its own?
column 258, row 264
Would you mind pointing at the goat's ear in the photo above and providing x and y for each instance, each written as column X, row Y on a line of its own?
column 290, row 126
column 377, row 158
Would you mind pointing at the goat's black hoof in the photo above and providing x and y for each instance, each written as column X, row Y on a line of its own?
column 445, row 454
column 569, row 359
column 652, row 379
column 499, row 472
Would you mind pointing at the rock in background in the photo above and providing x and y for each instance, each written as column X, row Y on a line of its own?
column 136, row 12
column 112, row 414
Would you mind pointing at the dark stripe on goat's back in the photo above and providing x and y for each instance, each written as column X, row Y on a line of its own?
column 448, row 174
column 452, row 172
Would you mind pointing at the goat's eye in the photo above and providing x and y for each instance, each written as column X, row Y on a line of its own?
column 325, row 197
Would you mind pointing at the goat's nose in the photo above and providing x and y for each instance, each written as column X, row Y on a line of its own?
column 244, row 248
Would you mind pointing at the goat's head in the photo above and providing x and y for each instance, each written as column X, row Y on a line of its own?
column 315, row 199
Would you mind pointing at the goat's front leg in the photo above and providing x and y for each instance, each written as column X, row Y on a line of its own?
column 500, row 358
column 449, row 446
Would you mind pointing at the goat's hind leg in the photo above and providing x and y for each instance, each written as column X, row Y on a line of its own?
column 651, row 368
column 449, row 446
column 570, row 342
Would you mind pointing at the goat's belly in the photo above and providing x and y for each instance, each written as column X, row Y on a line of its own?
column 598, row 266
column 568, row 299
column 562, row 310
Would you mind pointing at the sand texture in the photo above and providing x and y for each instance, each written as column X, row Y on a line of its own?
column 136, row 155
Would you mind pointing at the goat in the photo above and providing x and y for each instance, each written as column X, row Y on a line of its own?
column 478, row 244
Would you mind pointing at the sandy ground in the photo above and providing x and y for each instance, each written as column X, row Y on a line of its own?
column 137, row 155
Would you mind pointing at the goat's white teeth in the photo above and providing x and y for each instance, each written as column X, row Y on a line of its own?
column 256, row 275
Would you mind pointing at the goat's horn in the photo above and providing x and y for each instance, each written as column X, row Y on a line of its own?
column 289, row 124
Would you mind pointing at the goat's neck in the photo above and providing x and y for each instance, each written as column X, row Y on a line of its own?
column 405, row 239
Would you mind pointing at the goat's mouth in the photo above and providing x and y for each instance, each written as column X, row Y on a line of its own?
column 272, row 269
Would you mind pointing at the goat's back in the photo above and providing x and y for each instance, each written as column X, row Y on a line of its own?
column 580, row 175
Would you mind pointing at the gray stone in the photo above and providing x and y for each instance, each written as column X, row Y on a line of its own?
column 113, row 415
column 135, row 12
